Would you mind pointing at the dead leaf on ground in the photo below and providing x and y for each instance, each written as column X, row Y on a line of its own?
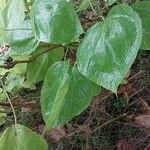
column 143, row 120
column 85, row 128
column 145, row 105
column 56, row 134
column 123, row 144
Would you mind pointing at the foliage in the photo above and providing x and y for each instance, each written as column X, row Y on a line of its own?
column 20, row 137
column 35, row 38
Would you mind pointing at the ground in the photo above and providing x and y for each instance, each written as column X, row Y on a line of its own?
column 111, row 121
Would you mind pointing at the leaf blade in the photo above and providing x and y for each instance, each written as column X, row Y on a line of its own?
column 109, row 48
column 143, row 9
column 66, row 98
column 37, row 70
column 20, row 137
column 58, row 20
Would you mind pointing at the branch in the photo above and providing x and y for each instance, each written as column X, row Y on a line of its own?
column 9, row 65
column 21, row 104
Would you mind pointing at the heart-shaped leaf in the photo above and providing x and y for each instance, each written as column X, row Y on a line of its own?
column 65, row 94
column 110, row 47
column 55, row 21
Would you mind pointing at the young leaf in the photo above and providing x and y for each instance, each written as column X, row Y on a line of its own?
column 143, row 9
column 55, row 21
column 109, row 48
column 37, row 70
column 65, row 94
column 20, row 137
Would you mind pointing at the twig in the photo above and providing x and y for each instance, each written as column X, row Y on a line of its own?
column 92, row 8
column 33, row 57
column 135, row 75
column 108, row 122
column 20, row 104
column 136, row 93
column 8, row 98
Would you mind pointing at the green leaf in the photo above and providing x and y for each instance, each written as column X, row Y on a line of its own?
column 143, row 9
column 109, row 48
column 13, row 13
column 2, row 24
column 2, row 116
column 20, row 68
column 14, row 82
column 2, row 95
column 110, row 2
column 65, row 94
column 37, row 70
column 2, row 4
column 84, row 5
column 55, row 21
column 20, row 137
column 22, row 40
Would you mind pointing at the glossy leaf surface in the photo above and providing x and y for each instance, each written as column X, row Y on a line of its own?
column 109, row 48
column 143, row 9
column 65, row 94
column 20, row 137
column 55, row 21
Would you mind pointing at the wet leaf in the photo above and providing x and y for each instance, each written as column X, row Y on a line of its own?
column 110, row 47
column 66, row 98
column 55, row 21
